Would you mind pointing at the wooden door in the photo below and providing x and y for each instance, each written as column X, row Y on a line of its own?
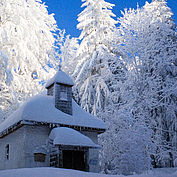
column 73, row 159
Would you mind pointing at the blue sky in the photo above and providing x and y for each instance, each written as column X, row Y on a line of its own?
column 66, row 11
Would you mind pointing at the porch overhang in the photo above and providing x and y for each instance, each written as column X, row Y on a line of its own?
column 68, row 137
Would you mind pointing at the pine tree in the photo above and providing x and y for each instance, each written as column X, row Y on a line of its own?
column 94, row 55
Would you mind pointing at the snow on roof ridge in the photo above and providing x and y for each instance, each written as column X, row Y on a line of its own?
column 60, row 77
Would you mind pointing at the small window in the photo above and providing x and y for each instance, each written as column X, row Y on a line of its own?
column 7, row 152
column 63, row 93
column 63, row 96
column 39, row 157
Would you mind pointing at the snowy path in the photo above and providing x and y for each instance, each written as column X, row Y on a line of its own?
column 56, row 172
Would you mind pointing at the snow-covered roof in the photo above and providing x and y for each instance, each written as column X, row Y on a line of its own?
column 60, row 77
column 41, row 109
column 70, row 137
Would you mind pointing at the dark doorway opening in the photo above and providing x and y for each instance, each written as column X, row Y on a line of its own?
column 74, row 160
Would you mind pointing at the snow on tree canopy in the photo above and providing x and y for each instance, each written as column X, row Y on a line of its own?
column 27, row 50
column 41, row 109
column 60, row 77
column 69, row 136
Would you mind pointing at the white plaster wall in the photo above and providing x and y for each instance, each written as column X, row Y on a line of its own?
column 22, row 144
column 26, row 139
column 93, row 153
column 36, row 136
column 16, row 150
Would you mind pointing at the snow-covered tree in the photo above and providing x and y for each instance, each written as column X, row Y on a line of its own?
column 68, row 49
column 96, row 23
column 5, row 74
column 146, row 102
column 95, row 53
column 26, row 47
column 150, row 50
column 126, row 143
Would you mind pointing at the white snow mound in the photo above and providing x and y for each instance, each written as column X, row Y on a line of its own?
column 59, row 172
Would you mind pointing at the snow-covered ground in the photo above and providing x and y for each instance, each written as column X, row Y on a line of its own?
column 56, row 172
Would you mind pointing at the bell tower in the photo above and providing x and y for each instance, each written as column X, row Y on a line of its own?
column 60, row 86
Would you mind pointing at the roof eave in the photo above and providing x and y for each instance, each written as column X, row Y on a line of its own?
column 11, row 129
column 20, row 123
column 48, row 85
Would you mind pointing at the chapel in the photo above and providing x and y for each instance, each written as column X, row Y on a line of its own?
column 51, row 130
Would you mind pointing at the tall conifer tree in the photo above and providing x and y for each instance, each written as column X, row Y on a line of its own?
column 93, row 72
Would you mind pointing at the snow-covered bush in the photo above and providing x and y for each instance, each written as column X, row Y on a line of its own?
column 126, row 145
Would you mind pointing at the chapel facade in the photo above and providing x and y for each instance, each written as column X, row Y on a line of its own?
column 51, row 131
